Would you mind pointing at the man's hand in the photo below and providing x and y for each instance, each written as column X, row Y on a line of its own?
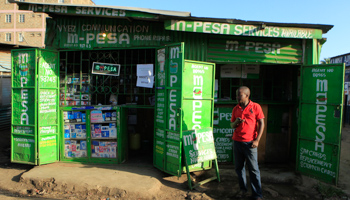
column 255, row 143
column 237, row 122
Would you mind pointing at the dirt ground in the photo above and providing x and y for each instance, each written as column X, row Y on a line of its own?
column 278, row 182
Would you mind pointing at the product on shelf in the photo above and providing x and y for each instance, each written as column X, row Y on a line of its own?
column 75, row 148
column 73, row 116
column 103, row 131
column 101, row 149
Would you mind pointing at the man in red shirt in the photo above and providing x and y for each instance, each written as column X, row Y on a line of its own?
column 248, row 122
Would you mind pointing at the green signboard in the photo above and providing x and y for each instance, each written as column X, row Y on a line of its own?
column 105, row 69
column 35, row 106
column 184, row 101
column 223, row 134
column 92, row 33
column 91, row 11
column 242, row 29
column 320, row 121
column 250, row 49
column 199, row 145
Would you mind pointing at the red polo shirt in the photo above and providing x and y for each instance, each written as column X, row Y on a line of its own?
column 247, row 130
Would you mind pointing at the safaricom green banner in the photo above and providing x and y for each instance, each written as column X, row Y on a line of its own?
column 242, row 29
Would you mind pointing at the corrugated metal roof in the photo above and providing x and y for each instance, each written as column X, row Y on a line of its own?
column 146, row 10
column 165, row 14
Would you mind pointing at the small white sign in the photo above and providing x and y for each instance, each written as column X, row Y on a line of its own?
column 231, row 71
column 145, row 81
column 144, row 70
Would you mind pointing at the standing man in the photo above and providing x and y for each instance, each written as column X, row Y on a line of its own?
column 248, row 121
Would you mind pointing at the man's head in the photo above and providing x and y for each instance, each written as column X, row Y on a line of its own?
column 242, row 94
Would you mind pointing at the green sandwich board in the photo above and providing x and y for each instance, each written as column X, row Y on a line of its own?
column 184, row 101
column 34, row 123
column 199, row 147
column 320, row 119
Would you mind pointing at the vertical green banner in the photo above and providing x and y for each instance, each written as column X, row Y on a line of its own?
column 23, row 122
column 223, row 134
column 48, row 106
column 320, row 120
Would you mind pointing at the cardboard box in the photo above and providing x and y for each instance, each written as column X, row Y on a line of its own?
column 82, row 144
column 114, row 116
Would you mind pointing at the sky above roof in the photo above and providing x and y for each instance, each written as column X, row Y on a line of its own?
column 334, row 12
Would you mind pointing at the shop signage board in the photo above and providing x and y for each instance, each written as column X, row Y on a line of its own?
column 199, row 147
column 92, row 33
column 105, row 69
column 184, row 101
column 34, row 127
column 242, row 29
column 320, row 121
column 223, row 134
column 85, row 11
column 249, row 49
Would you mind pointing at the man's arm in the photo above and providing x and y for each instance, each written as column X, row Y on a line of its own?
column 260, row 132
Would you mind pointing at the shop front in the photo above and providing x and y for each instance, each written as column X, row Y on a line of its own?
column 121, row 85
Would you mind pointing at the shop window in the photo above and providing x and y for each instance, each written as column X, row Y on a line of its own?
column 8, row 37
column 21, row 18
column 273, row 83
column 8, row 19
column 80, row 87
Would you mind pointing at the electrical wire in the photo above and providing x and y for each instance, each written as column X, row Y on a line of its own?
column 5, row 67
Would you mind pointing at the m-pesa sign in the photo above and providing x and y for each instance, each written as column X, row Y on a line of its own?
column 242, row 30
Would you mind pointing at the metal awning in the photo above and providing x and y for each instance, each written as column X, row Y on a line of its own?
column 54, row 9
column 96, row 10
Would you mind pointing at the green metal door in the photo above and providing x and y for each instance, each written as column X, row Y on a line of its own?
column 34, row 123
column 48, row 106
column 320, row 119
column 184, row 101
column 23, row 121
column 167, row 137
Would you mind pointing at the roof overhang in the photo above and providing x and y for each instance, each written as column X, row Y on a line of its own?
column 97, row 10
column 183, row 21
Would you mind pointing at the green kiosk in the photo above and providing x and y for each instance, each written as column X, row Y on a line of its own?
column 117, row 84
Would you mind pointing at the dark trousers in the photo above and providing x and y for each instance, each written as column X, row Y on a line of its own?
column 244, row 153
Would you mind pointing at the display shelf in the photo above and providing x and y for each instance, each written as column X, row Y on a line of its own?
column 103, row 122
column 83, row 138
column 104, row 138
column 68, row 123
column 75, row 89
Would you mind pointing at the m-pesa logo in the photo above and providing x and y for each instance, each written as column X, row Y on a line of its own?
column 174, row 55
column 23, row 63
